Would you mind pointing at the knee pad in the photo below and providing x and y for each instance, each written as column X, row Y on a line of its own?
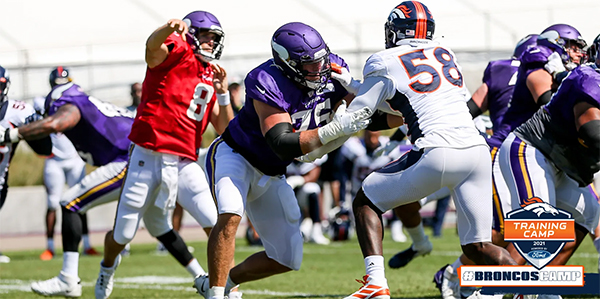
column 291, row 258
column 156, row 222
column 53, row 202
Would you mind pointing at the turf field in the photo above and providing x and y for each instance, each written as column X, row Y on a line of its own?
column 327, row 272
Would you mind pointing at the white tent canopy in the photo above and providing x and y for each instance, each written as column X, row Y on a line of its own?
column 104, row 40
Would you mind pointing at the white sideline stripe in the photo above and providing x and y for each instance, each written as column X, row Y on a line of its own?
column 332, row 250
column 141, row 282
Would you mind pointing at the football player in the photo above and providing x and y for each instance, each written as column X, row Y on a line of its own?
column 181, row 94
column 559, row 146
column 14, row 114
column 63, row 166
column 448, row 150
column 289, row 102
column 98, row 131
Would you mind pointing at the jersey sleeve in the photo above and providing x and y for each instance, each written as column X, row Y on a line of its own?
column 535, row 55
column 375, row 66
column 588, row 86
column 487, row 75
column 61, row 96
column 177, row 47
column 261, row 87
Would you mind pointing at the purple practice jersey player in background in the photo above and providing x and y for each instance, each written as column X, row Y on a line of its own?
column 534, row 79
column 555, row 154
column 288, row 112
column 98, row 130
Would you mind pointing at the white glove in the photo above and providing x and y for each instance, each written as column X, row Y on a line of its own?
column 295, row 181
column 554, row 64
column 8, row 135
column 386, row 149
column 344, row 123
column 345, row 78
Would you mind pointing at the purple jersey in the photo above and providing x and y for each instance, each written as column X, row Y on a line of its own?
column 100, row 136
column 522, row 104
column 552, row 129
column 308, row 110
column 500, row 77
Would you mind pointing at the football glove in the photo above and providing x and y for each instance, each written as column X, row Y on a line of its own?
column 342, row 75
column 554, row 64
column 344, row 123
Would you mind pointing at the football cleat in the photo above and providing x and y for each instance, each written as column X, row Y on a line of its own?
column 234, row 295
column 402, row 258
column 201, row 284
column 371, row 290
column 104, row 283
column 90, row 251
column 47, row 255
column 61, row 285
column 447, row 282
column 4, row 259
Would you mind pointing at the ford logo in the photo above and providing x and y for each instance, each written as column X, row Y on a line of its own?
column 539, row 254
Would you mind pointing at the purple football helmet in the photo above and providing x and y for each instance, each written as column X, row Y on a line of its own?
column 59, row 76
column 524, row 44
column 296, row 45
column 409, row 19
column 593, row 52
column 203, row 21
column 556, row 38
column 4, row 84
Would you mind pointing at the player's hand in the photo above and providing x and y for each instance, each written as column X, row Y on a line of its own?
column 344, row 123
column 4, row 135
column 220, row 81
column 342, row 75
column 178, row 26
column 386, row 149
column 554, row 64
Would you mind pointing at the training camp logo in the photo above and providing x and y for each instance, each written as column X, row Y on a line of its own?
column 538, row 231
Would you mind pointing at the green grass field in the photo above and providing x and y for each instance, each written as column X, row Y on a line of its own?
column 327, row 272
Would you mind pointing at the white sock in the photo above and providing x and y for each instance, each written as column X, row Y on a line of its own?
column 71, row 263
column 86, row 242
column 417, row 234
column 50, row 244
column 455, row 265
column 375, row 267
column 194, row 268
column 597, row 244
column 216, row 293
column 230, row 284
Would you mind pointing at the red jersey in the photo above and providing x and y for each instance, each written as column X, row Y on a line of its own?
column 177, row 99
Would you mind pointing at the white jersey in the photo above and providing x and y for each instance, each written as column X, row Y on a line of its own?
column 13, row 114
column 420, row 80
column 62, row 148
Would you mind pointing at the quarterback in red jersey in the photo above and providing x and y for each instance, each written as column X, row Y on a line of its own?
column 178, row 101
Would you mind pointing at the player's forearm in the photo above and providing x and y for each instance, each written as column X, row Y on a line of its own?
column 38, row 129
column 309, row 141
column 223, row 119
column 158, row 37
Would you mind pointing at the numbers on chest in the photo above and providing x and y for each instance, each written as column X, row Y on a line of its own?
column 319, row 115
column 417, row 64
column 203, row 93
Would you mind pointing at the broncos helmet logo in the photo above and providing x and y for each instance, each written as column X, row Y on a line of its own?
column 539, row 207
column 401, row 12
